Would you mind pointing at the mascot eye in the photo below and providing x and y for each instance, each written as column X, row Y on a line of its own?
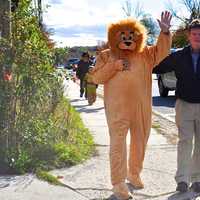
column 134, row 35
column 130, row 37
column 123, row 37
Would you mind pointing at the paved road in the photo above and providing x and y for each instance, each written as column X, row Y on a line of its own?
column 163, row 105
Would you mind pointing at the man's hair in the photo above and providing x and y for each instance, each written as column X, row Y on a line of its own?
column 194, row 24
column 84, row 54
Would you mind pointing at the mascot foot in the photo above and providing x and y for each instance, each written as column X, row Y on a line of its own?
column 121, row 191
column 136, row 181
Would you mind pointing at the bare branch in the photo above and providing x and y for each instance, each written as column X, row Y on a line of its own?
column 192, row 6
column 128, row 9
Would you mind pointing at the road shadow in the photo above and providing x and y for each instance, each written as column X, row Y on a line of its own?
column 90, row 110
column 87, row 109
column 184, row 196
column 164, row 101
column 23, row 181
column 75, row 100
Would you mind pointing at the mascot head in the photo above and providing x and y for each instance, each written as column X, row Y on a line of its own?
column 126, row 37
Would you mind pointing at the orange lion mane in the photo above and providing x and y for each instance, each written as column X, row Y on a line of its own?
column 124, row 25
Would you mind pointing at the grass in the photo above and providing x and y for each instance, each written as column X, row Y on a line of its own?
column 156, row 126
column 61, row 140
column 45, row 176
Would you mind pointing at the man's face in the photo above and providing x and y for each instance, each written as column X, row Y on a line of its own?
column 194, row 38
column 85, row 58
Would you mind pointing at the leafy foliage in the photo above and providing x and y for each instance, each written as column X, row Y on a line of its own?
column 60, row 55
column 193, row 9
column 35, row 118
column 179, row 38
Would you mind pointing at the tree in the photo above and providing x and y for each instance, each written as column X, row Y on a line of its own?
column 38, row 11
column 5, row 25
column 137, row 12
column 14, row 5
column 60, row 55
column 179, row 38
column 152, row 28
column 193, row 8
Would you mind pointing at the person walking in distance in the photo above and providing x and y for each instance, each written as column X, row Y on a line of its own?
column 82, row 69
column 186, row 64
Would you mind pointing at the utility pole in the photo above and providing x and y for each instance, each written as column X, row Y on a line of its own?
column 40, row 18
column 38, row 11
column 5, row 19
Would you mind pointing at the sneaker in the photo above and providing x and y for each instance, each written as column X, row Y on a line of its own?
column 196, row 187
column 182, row 187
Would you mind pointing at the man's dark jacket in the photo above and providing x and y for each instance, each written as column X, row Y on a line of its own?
column 188, row 82
column 82, row 69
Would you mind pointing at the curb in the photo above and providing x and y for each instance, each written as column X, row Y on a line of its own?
column 163, row 116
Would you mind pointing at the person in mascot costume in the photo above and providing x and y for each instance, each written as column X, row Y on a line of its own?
column 125, row 69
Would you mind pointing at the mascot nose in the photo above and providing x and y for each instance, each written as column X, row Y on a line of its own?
column 128, row 43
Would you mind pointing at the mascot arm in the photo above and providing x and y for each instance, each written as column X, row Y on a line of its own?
column 155, row 54
column 104, row 70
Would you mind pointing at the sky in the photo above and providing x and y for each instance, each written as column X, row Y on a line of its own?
column 84, row 22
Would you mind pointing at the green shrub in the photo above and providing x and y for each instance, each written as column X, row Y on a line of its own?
column 78, row 143
column 60, row 141
column 38, row 127
column 19, row 163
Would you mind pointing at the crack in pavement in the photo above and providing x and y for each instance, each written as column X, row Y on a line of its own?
column 159, row 171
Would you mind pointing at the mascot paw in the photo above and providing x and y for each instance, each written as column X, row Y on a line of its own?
column 119, row 64
column 121, row 191
column 136, row 181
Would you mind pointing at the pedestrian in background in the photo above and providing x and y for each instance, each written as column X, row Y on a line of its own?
column 82, row 69
column 186, row 64
column 90, row 87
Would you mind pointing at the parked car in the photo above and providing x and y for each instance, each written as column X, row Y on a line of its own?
column 167, row 81
column 59, row 66
column 71, row 62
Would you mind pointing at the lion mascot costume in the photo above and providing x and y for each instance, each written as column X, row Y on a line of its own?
column 125, row 70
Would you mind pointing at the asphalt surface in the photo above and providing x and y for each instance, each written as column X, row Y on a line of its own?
column 163, row 105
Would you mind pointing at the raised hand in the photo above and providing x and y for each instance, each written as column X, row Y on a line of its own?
column 164, row 22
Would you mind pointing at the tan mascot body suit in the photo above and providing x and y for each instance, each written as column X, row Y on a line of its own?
column 125, row 69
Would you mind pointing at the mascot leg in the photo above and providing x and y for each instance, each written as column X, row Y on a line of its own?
column 139, row 135
column 118, row 159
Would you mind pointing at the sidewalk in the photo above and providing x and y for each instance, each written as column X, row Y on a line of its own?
column 91, row 180
column 93, row 177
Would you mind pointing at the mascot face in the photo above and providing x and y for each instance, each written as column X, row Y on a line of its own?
column 127, row 40
column 126, row 36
